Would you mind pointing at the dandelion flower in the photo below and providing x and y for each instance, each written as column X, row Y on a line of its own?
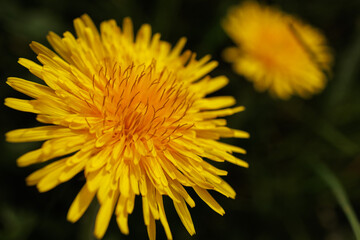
column 132, row 116
column 276, row 51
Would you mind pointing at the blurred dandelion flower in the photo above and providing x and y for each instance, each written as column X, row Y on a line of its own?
column 132, row 115
column 276, row 51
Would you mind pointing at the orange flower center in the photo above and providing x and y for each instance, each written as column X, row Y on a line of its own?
column 138, row 102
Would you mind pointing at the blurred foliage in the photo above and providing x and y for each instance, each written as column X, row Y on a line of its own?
column 281, row 195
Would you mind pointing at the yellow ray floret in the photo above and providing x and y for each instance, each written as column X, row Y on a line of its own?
column 276, row 51
column 131, row 114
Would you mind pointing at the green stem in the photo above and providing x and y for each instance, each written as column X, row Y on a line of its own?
column 331, row 180
column 333, row 136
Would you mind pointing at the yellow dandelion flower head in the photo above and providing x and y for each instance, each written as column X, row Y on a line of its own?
column 276, row 51
column 132, row 115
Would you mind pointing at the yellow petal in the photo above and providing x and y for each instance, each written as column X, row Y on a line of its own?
column 33, row 67
column 210, row 85
column 128, row 29
column 146, row 210
column 143, row 36
column 35, row 177
column 37, row 133
column 163, row 216
column 70, row 171
column 41, row 49
column 209, row 200
column 51, row 179
column 215, row 103
column 80, row 204
column 151, row 228
column 180, row 190
column 31, row 89
column 59, row 46
column 220, row 113
column 122, row 220
column 94, row 179
column 185, row 216
column 178, row 48
column 225, row 189
column 89, row 23
column 51, row 149
column 104, row 215
column 22, row 105
column 122, row 215
column 241, row 134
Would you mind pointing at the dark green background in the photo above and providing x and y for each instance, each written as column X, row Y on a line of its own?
column 279, row 197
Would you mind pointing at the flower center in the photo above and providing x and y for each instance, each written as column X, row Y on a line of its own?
column 139, row 102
